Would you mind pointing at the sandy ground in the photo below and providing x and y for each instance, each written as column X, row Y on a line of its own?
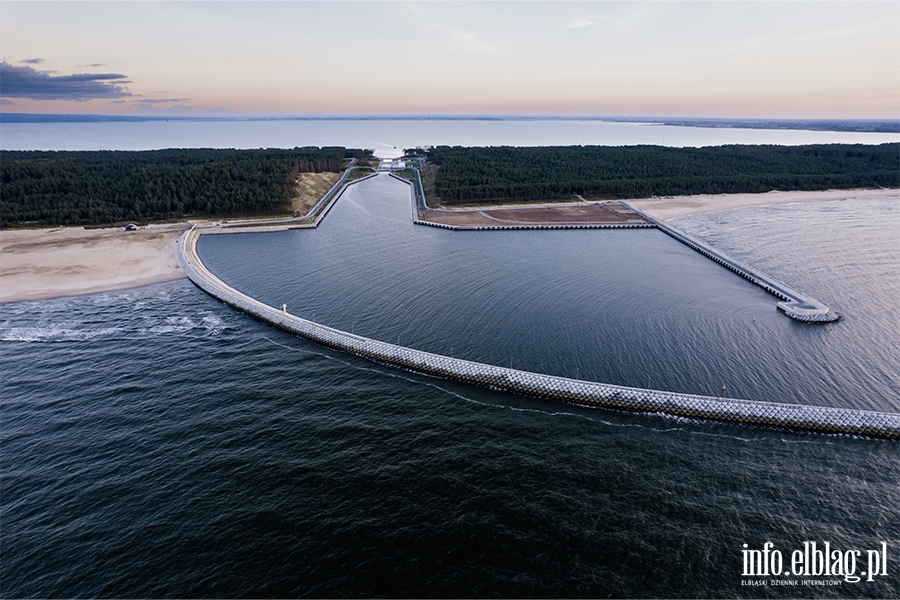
column 679, row 206
column 51, row 263
column 592, row 213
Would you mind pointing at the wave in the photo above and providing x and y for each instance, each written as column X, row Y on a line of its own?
column 83, row 331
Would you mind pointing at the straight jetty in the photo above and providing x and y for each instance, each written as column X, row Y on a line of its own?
column 794, row 304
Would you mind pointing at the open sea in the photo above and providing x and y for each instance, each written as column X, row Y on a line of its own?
column 156, row 443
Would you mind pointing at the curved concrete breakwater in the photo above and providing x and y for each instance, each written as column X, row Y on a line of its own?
column 586, row 393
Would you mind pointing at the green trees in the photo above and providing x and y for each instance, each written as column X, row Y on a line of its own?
column 501, row 173
column 88, row 188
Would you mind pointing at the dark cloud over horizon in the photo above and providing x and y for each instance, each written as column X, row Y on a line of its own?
column 32, row 61
column 26, row 82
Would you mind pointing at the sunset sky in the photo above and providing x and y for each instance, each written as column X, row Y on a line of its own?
column 709, row 59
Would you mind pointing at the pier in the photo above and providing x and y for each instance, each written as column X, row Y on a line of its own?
column 815, row 419
column 794, row 304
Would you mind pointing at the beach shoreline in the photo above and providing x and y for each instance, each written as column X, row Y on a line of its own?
column 42, row 264
column 672, row 207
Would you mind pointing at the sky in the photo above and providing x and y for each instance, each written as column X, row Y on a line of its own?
column 725, row 59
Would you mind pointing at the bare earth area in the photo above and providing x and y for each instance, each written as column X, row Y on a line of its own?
column 597, row 214
column 309, row 189
column 68, row 261
column 51, row 263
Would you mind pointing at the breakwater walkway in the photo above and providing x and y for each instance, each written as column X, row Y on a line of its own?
column 584, row 393
column 794, row 304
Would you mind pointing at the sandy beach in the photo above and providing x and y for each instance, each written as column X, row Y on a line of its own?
column 665, row 208
column 69, row 261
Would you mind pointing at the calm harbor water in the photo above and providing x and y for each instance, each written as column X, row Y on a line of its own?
column 629, row 307
column 155, row 443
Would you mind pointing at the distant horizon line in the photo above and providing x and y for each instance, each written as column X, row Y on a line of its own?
column 837, row 125
column 65, row 117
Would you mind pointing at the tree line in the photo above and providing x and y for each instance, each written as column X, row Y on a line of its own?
column 97, row 187
column 513, row 173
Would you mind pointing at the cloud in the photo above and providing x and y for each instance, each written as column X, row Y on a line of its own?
column 5, row 102
column 152, row 101
column 576, row 23
column 25, row 82
column 32, row 61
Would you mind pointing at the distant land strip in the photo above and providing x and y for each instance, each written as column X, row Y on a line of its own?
column 847, row 125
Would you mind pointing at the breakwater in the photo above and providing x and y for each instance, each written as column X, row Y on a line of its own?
column 585, row 393
column 794, row 304
column 535, row 226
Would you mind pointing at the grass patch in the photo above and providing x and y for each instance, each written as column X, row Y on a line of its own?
column 359, row 173
column 309, row 189
column 428, row 173
column 406, row 174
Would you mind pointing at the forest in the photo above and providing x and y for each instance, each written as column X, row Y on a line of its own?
column 98, row 187
column 495, row 174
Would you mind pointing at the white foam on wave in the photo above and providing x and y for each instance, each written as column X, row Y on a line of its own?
column 55, row 334
column 210, row 323
column 48, row 329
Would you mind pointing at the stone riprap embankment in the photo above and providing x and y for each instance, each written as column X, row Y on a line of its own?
column 585, row 393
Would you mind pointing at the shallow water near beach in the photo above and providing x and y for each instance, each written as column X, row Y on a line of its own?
column 156, row 443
